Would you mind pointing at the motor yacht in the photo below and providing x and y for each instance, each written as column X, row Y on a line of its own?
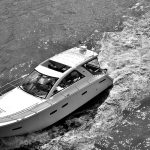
column 53, row 90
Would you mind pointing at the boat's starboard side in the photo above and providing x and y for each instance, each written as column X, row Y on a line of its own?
column 50, row 115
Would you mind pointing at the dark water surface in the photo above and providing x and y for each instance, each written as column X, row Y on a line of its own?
column 33, row 30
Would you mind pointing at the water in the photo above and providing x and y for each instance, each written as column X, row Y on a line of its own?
column 32, row 31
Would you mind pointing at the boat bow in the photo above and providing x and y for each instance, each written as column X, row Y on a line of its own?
column 15, row 101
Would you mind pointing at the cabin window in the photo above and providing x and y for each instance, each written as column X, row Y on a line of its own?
column 93, row 67
column 38, row 84
column 73, row 77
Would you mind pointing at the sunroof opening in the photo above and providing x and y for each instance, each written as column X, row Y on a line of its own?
column 55, row 66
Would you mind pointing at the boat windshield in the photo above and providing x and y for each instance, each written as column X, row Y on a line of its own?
column 38, row 84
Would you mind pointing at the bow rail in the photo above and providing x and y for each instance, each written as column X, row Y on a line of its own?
column 11, row 85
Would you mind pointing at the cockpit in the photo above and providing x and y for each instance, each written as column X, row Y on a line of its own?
column 38, row 84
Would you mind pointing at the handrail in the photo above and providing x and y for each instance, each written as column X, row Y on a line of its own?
column 11, row 85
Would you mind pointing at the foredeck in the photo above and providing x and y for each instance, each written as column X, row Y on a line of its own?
column 4, row 89
column 24, row 113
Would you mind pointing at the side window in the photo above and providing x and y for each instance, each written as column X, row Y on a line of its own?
column 73, row 77
column 93, row 67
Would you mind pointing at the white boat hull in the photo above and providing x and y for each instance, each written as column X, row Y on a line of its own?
column 58, row 110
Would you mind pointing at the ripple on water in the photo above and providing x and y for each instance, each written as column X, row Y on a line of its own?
column 134, row 130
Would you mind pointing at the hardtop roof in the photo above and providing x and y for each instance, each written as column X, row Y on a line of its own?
column 74, row 56
column 70, row 59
